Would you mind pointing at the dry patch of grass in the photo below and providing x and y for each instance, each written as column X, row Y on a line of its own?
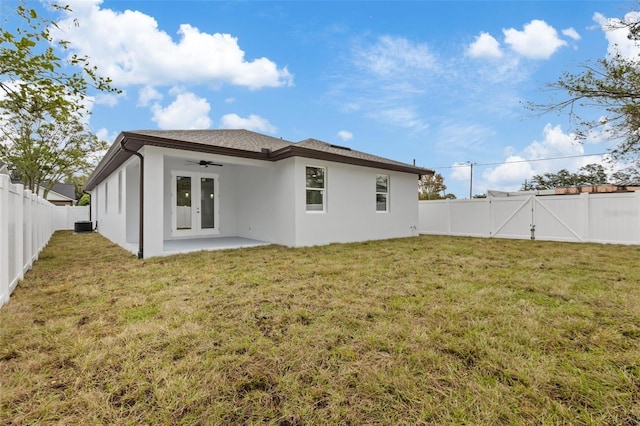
column 413, row 331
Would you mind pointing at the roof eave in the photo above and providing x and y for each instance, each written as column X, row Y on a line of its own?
column 297, row 151
column 116, row 156
column 100, row 172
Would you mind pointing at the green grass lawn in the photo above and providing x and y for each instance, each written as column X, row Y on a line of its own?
column 427, row 330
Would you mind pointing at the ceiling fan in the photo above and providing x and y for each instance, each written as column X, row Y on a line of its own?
column 204, row 163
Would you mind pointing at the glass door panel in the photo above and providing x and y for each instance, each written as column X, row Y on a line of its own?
column 184, row 194
column 207, row 203
column 194, row 204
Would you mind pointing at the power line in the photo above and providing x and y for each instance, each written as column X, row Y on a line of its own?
column 466, row 164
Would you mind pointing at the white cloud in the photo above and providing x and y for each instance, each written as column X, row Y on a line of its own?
column 617, row 35
column 538, row 40
column 104, row 135
column 148, row 94
column 463, row 137
column 485, row 46
column 130, row 48
column 401, row 116
column 395, row 56
column 109, row 99
column 345, row 135
column 187, row 111
column 556, row 143
column 460, row 172
column 383, row 80
column 253, row 122
column 571, row 33
column 550, row 151
column 508, row 176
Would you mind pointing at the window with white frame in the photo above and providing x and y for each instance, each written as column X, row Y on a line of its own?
column 315, row 188
column 382, row 193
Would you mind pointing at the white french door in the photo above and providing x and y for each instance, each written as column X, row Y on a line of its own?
column 194, row 204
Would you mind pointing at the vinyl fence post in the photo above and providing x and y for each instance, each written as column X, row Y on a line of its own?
column 28, row 230
column 19, row 244
column 449, row 208
column 4, row 239
column 586, row 217
column 637, row 198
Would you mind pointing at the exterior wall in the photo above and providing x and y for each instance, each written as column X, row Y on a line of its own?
column 107, row 215
column 265, row 207
column 255, row 203
column 132, row 201
column 286, row 201
column 257, row 199
column 350, row 213
column 153, row 198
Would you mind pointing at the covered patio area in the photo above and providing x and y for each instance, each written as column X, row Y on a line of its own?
column 189, row 245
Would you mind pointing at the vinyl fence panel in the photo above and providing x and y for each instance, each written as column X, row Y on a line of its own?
column 25, row 229
column 617, row 219
column 586, row 217
column 470, row 217
column 65, row 217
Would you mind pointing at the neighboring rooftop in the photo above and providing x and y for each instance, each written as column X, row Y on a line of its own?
column 66, row 189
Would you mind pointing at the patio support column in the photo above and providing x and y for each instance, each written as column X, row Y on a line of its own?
column 153, row 200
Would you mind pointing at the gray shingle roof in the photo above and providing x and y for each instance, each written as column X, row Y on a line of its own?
column 344, row 151
column 226, row 138
column 66, row 189
column 238, row 143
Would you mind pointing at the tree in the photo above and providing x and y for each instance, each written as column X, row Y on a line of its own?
column 627, row 175
column 591, row 174
column 79, row 181
column 611, row 84
column 45, row 151
column 85, row 200
column 31, row 69
column 44, row 133
column 430, row 187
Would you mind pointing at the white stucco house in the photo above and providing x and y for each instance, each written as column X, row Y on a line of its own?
column 158, row 192
column 62, row 194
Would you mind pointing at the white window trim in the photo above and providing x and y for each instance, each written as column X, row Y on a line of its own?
column 323, row 190
column 387, row 193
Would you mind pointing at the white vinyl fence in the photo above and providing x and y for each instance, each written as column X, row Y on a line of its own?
column 586, row 217
column 26, row 225
column 65, row 217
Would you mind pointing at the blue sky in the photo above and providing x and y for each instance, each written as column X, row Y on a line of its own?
column 441, row 82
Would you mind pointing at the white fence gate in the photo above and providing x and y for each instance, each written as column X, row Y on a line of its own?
column 587, row 217
column 26, row 225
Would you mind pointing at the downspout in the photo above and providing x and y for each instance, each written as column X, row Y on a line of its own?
column 141, row 218
column 90, row 215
